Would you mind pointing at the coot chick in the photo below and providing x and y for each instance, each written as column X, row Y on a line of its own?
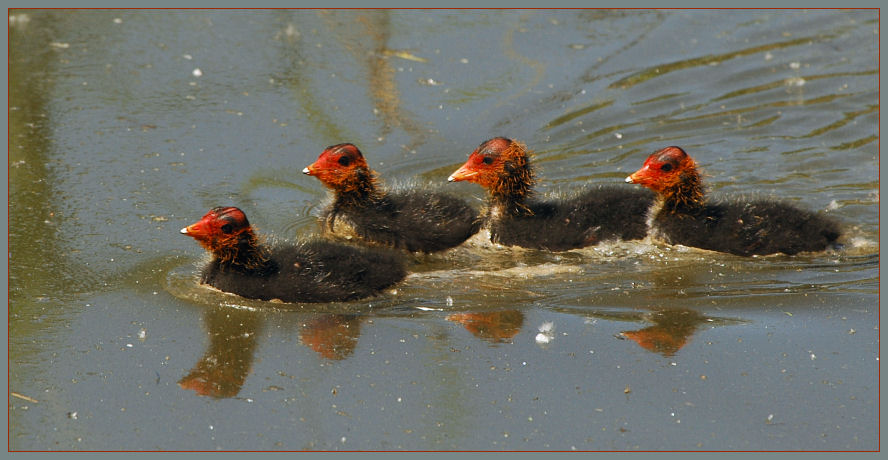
column 310, row 271
column 516, row 218
column 682, row 215
column 414, row 220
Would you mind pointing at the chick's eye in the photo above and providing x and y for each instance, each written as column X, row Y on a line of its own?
column 226, row 228
column 666, row 167
column 344, row 161
column 487, row 160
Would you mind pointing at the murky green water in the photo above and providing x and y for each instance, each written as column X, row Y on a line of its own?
column 127, row 125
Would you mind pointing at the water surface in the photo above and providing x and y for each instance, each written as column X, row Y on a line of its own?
column 127, row 125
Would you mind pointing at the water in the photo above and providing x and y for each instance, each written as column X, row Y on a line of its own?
column 127, row 125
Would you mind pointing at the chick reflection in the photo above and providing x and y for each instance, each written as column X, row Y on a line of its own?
column 333, row 336
column 494, row 327
column 221, row 372
column 223, row 369
column 672, row 329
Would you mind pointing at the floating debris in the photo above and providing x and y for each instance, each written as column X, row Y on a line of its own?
column 21, row 396
column 546, row 334
column 405, row 55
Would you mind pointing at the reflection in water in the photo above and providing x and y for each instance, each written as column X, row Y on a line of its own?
column 671, row 330
column 494, row 327
column 366, row 37
column 223, row 369
column 294, row 61
column 37, row 254
column 332, row 336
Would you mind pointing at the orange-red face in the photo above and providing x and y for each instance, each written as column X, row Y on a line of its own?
column 337, row 164
column 218, row 228
column 663, row 169
column 485, row 165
